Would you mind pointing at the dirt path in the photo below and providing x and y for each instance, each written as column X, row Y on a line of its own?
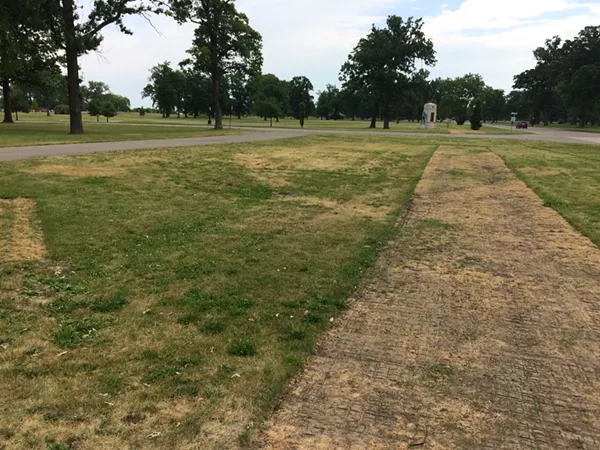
column 482, row 330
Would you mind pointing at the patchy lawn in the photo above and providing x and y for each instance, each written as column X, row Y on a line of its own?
column 565, row 176
column 25, row 133
column 169, row 295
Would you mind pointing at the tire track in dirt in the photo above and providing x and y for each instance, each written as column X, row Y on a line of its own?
column 482, row 329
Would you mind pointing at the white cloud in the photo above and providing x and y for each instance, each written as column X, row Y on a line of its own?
column 314, row 37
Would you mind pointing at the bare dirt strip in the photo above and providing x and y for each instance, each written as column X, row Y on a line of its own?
column 481, row 331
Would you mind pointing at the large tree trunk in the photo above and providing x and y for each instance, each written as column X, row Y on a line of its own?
column 374, row 116
column 217, row 102
column 386, row 115
column 7, row 104
column 76, row 121
column 546, row 115
column 581, row 121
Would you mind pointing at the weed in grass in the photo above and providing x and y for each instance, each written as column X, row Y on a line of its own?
column 439, row 372
column 313, row 317
column 109, row 304
column 213, row 326
column 296, row 333
column 65, row 305
column 188, row 319
column 109, row 384
column 74, row 331
column 242, row 347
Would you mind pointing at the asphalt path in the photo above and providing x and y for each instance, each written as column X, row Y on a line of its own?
column 16, row 153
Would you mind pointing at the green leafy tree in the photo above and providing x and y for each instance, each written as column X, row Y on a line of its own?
column 240, row 95
column 26, row 47
column 328, row 103
column 223, row 42
column 302, row 114
column 162, row 89
column 540, row 82
column 580, row 73
column 269, row 86
column 95, row 108
column 93, row 90
column 300, row 89
column 50, row 90
column 494, row 102
column 142, row 112
column 385, row 58
column 78, row 36
column 108, row 109
column 476, row 115
column 269, row 108
column 458, row 96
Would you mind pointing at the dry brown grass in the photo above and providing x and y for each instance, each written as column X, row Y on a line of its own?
column 78, row 171
column 22, row 238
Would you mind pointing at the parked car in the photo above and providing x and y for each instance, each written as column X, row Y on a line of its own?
column 522, row 125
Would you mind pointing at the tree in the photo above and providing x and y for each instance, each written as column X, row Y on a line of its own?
column 302, row 114
column 77, row 37
column 384, row 59
column 95, row 108
column 269, row 108
column 108, row 109
column 142, row 112
column 239, row 93
column 26, row 46
column 223, row 42
column 271, row 87
column 328, row 103
column 458, row 96
column 299, row 92
column 580, row 72
column 51, row 90
column 493, row 104
column 476, row 115
column 94, row 90
column 162, row 88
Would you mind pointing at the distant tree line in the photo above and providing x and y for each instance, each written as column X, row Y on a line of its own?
column 564, row 85
column 41, row 42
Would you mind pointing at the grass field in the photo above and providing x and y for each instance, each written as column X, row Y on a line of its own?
column 161, row 299
column 564, row 176
column 33, row 133
column 256, row 122
column 177, row 292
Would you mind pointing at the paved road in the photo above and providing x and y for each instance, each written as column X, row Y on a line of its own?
column 558, row 135
column 15, row 153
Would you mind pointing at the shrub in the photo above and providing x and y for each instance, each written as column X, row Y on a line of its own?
column 61, row 109
column 476, row 115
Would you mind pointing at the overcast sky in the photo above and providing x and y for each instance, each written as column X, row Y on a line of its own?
column 313, row 38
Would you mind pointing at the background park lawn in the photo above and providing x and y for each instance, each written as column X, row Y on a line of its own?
column 176, row 292
column 257, row 122
column 25, row 133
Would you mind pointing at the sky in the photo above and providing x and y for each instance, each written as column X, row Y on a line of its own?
column 314, row 37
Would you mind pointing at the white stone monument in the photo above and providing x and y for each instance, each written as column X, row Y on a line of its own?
column 429, row 115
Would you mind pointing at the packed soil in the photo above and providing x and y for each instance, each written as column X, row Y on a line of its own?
column 480, row 329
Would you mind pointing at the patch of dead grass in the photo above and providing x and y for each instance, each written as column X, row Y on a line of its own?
column 78, row 171
column 23, row 240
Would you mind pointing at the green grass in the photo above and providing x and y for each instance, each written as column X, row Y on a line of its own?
column 566, row 177
column 256, row 122
column 566, row 126
column 184, row 289
column 25, row 133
